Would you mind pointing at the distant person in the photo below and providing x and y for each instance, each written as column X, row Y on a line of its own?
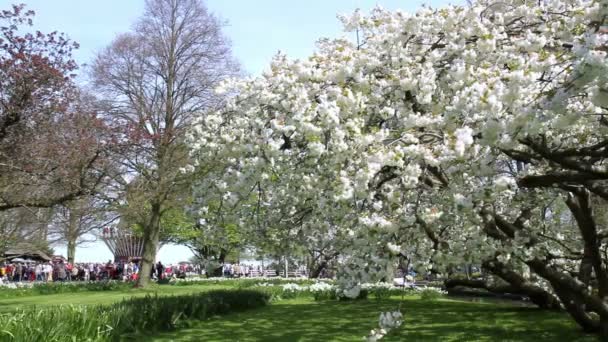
column 48, row 271
column 18, row 272
column 60, row 271
column 159, row 270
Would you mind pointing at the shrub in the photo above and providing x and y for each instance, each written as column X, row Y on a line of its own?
column 363, row 293
column 291, row 290
column 430, row 293
column 325, row 295
column 382, row 290
column 323, row 291
column 274, row 293
column 136, row 315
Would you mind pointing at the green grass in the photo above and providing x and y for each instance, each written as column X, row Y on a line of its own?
column 103, row 297
column 444, row 320
column 303, row 319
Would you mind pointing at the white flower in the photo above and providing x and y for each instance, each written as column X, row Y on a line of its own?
column 352, row 292
column 464, row 139
column 291, row 287
column 320, row 287
column 391, row 320
column 463, row 201
column 504, row 182
column 395, row 249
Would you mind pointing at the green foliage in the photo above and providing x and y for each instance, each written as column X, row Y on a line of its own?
column 431, row 293
column 177, row 225
column 325, row 295
column 275, row 293
column 136, row 315
column 383, row 292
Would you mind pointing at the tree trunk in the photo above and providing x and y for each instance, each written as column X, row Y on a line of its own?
column 316, row 272
column 71, row 250
column 72, row 233
column 574, row 292
column 576, row 310
column 537, row 295
column 151, row 236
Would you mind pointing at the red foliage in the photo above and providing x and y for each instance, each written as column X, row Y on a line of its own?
column 51, row 139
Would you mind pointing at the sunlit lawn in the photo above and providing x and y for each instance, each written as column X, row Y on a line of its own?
column 101, row 297
column 306, row 320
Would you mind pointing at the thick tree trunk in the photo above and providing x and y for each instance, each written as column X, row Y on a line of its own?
column 577, row 311
column 151, row 236
column 71, row 250
column 537, row 295
column 72, row 232
column 577, row 298
column 582, row 210
column 316, row 272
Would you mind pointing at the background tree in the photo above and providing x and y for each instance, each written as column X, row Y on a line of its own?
column 153, row 81
column 51, row 143
column 24, row 228
column 78, row 222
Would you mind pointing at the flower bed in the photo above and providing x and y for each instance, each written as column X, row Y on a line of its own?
column 328, row 291
column 8, row 290
column 109, row 323
column 238, row 282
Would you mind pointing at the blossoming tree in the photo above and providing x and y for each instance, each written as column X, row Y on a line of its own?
column 466, row 134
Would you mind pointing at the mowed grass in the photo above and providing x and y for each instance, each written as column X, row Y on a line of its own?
column 101, row 297
column 444, row 320
column 304, row 319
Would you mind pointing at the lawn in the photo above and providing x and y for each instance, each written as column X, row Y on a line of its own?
column 101, row 297
column 303, row 319
column 445, row 320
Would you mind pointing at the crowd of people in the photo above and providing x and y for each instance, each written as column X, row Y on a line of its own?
column 246, row 270
column 61, row 270
column 65, row 271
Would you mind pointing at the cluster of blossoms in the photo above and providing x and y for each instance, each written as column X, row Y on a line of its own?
column 16, row 285
column 437, row 290
column 320, row 287
column 326, row 287
column 387, row 322
column 467, row 134
column 291, row 287
column 379, row 285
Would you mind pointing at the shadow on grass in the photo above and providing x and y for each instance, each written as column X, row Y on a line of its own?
column 304, row 320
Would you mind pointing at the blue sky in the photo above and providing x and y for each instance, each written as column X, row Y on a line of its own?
column 257, row 29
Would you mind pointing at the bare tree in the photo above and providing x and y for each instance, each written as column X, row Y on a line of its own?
column 154, row 79
column 24, row 226
column 76, row 223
